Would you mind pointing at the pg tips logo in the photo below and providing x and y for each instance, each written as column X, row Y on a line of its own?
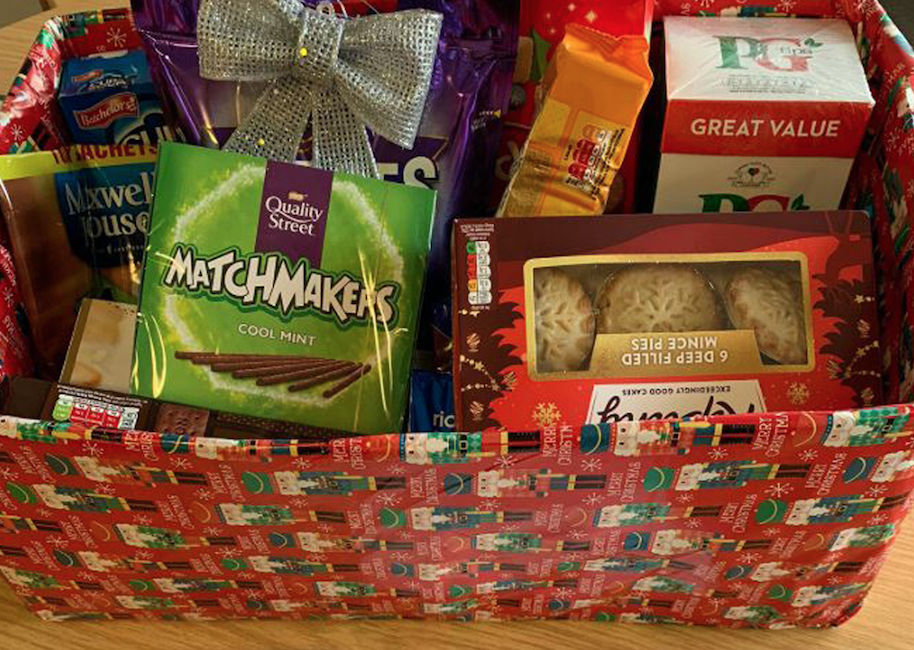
column 776, row 54
column 732, row 202
column 749, row 185
column 754, row 175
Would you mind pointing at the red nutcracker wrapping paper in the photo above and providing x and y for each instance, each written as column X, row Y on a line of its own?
column 772, row 520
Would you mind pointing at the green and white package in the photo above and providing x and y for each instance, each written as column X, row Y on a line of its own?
column 280, row 291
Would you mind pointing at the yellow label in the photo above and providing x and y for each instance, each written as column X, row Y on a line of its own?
column 537, row 162
column 72, row 158
column 691, row 354
column 550, row 125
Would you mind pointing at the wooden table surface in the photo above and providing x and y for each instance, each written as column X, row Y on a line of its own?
column 885, row 621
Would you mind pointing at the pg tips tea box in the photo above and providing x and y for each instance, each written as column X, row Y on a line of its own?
column 279, row 291
column 564, row 321
column 763, row 115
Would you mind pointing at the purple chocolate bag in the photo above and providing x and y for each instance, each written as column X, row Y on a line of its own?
column 458, row 139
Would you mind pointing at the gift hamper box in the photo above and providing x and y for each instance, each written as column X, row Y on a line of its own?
column 772, row 519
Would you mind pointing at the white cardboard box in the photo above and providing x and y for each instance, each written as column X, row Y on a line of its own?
column 763, row 114
column 101, row 349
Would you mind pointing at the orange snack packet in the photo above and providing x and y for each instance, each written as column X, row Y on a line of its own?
column 593, row 93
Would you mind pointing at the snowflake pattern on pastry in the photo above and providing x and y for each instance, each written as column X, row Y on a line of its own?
column 564, row 321
column 769, row 303
column 658, row 298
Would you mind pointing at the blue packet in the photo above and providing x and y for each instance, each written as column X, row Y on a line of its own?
column 112, row 100
column 431, row 402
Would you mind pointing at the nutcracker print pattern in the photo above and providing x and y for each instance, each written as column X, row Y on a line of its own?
column 770, row 521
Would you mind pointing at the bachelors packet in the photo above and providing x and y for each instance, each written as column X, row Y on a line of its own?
column 111, row 100
column 281, row 291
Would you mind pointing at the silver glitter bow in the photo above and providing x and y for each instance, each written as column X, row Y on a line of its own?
column 342, row 74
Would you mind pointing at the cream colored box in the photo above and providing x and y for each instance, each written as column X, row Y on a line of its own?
column 101, row 349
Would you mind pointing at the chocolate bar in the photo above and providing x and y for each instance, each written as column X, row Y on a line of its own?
column 273, row 369
column 38, row 399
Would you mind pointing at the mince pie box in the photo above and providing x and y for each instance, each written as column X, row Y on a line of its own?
column 281, row 291
column 763, row 115
column 566, row 321
column 111, row 100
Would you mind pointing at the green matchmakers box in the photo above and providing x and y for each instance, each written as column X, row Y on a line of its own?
column 280, row 291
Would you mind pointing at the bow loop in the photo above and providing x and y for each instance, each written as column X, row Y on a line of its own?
column 381, row 67
column 227, row 50
column 368, row 72
column 318, row 47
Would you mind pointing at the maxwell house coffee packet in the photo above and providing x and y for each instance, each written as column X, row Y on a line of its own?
column 111, row 100
column 763, row 116
column 77, row 219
